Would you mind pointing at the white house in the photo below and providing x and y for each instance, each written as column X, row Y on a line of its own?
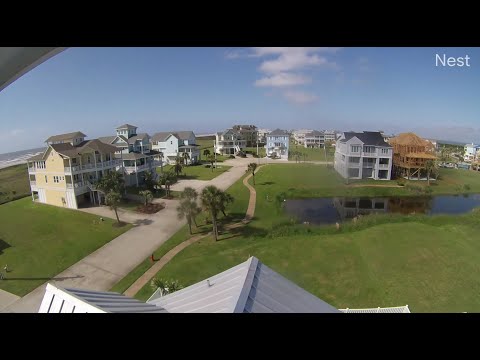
column 135, row 152
column 278, row 143
column 363, row 155
column 229, row 142
column 299, row 135
column 471, row 152
column 314, row 139
column 176, row 143
column 261, row 135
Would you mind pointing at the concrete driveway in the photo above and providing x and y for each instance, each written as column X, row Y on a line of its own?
column 106, row 266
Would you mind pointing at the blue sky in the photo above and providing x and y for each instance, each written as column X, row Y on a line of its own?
column 207, row 89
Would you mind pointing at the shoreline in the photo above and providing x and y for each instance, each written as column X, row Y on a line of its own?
column 12, row 163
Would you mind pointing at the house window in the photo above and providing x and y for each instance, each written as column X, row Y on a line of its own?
column 369, row 149
column 384, row 151
column 46, row 179
column 171, row 142
column 355, row 148
column 56, row 179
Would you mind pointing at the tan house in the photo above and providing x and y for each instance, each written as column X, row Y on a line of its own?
column 66, row 171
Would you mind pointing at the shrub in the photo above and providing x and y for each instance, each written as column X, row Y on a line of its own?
column 466, row 187
column 231, row 156
column 255, row 155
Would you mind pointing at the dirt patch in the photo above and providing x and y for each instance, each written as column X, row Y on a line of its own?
column 151, row 208
column 119, row 224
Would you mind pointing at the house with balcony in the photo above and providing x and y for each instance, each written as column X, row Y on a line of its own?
column 261, row 134
column 314, row 139
column 229, row 142
column 169, row 145
column 299, row 135
column 471, row 152
column 135, row 153
column 363, row 155
column 278, row 142
column 248, row 133
column 65, row 173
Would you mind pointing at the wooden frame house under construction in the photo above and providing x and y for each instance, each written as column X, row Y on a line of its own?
column 410, row 155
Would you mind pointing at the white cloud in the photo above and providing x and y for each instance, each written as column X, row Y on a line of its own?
column 300, row 97
column 283, row 80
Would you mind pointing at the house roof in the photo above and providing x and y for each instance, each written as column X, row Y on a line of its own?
column 248, row 287
column 67, row 136
column 278, row 132
column 69, row 150
column 182, row 135
column 37, row 157
column 67, row 300
column 373, row 138
column 315, row 133
column 132, row 139
column 132, row 156
column 126, row 126
column 409, row 139
column 107, row 139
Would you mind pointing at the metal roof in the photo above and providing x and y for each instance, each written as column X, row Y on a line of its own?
column 247, row 287
column 66, row 300
column 17, row 61
column 379, row 310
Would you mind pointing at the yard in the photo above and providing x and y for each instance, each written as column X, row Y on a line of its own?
column 39, row 241
column 197, row 172
column 14, row 183
column 312, row 154
column 430, row 263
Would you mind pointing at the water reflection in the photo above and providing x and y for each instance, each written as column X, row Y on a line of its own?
column 331, row 210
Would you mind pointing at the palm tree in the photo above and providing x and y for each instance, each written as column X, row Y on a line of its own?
column 150, row 181
column 214, row 201
column 166, row 287
column 111, row 182
column 251, row 168
column 167, row 178
column 189, row 193
column 147, row 196
column 185, row 158
column 178, row 165
column 226, row 199
column 113, row 199
column 429, row 166
column 211, row 160
column 188, row 209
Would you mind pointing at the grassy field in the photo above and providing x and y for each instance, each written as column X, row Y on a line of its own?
column 14, row 183
column 313, row 154
column 253, row 150
column 39, row 241
column 208, row 144
column 197, row 172
column 430, row 263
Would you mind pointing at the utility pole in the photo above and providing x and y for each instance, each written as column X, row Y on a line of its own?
column 215, row 151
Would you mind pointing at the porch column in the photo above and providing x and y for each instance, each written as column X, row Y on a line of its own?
column 136, row 173
column 70, row 163
column 95, row 161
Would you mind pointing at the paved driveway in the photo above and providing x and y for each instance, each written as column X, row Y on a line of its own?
column 106, row 266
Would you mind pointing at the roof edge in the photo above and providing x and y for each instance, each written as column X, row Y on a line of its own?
column 247, row 285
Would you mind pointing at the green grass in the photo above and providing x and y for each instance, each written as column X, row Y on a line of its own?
column 430, row 263
column 208, row 144
column 39, row 241
column 14, row 183
column 312, row 154
column 253, row 150
column 198, row 172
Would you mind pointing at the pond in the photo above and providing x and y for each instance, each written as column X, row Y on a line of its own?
column 338, row 209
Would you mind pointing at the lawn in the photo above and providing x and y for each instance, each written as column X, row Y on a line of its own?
column 430, row 263
column 312, row 154
column 208, row 144
column 14, row 183
column 197, row 172
column 253, row 150
column 39, row 241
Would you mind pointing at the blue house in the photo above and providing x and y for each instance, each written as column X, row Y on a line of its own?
column 277, row 143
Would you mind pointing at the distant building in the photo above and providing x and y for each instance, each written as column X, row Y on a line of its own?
column 261, row 135
column 314, row 139
column 471, row 151
column 363, row 155
column 172, row 144
column 277, row 145
column 249, row 133
column 411, row 154
column 229, row 142
column 331, row 135
column 299, row 136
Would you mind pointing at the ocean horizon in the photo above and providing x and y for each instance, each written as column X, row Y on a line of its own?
column 18, row 157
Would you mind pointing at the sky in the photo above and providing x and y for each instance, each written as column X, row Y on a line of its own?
column 94, row 90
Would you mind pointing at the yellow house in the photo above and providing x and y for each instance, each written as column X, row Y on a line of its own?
column 65, row 173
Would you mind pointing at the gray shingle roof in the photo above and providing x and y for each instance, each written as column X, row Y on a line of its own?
column 132, row 156
column 107, row 139
column 373, row 138
column 126, row 126
column 314, row 133
column 278, row 132
column 67, row 136
column 132, row 139
column 69, row 150
column 162, row 136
